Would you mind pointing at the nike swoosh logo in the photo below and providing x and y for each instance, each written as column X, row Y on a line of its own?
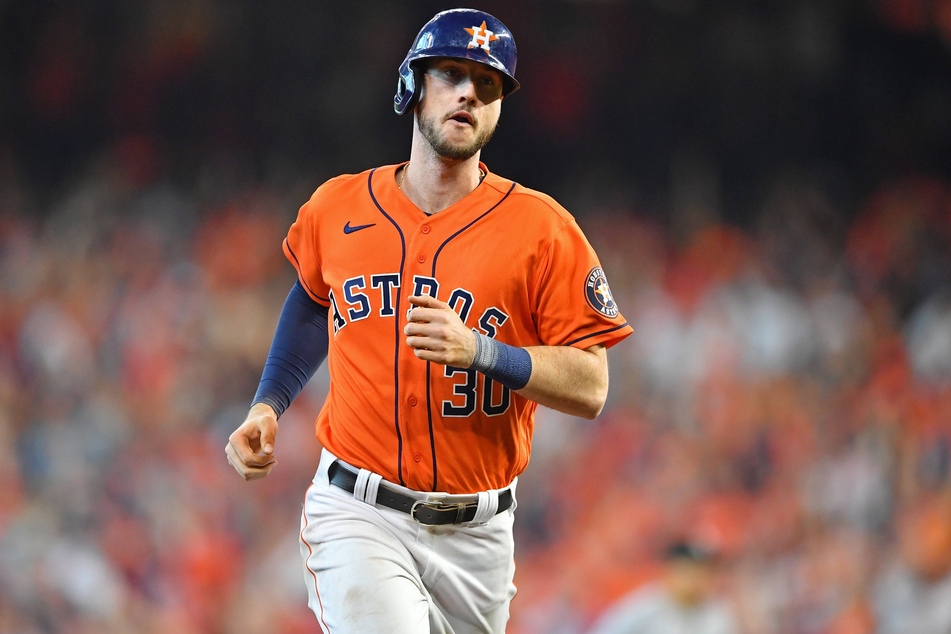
column 348, row 229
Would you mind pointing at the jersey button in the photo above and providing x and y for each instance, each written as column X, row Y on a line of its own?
column 426, row 229
column 412, row 401
column 420, row 258
column 417, row 457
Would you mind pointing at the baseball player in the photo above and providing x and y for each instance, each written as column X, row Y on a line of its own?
column 449, row 302
column 682, row 601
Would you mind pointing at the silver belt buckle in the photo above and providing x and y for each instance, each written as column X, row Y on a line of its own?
column 460, row 508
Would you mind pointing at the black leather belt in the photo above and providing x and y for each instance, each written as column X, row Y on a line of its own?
column 429, row 513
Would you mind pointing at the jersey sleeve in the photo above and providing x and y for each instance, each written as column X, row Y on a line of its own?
column 575, row 306
column 302, row 248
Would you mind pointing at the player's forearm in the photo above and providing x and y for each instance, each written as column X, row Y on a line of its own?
column 297, row 350
column 570, row 380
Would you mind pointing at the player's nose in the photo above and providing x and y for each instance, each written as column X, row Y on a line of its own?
column 467, row 89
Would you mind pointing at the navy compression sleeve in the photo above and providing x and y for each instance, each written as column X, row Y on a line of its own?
column 297, row 350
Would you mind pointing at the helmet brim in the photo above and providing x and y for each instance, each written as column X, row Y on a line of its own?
column 509, row 83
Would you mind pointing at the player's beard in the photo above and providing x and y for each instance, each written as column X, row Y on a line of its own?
column 454, row 151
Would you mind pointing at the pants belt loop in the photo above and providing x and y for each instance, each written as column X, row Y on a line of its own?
column 487, row 508
column 367, row 486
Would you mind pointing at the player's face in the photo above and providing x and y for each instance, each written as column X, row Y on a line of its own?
column 460, row 107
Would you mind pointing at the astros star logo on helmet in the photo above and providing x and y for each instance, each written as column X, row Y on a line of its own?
column 481, row 37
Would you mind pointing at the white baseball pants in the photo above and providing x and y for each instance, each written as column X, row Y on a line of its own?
column 372, row 569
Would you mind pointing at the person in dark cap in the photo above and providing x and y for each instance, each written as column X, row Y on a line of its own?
column 682, row 601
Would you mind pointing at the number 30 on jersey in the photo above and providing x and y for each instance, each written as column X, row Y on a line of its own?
column 362, row 297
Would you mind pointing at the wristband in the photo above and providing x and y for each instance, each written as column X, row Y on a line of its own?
column 509, row 365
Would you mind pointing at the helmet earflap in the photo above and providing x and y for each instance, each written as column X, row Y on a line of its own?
column 407, row 88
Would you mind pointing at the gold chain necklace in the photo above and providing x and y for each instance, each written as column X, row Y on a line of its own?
column 399, row 183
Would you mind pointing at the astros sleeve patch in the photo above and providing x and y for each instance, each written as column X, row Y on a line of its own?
column 598, row 293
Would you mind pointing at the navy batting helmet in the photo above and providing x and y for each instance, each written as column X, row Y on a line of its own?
column 460, row 34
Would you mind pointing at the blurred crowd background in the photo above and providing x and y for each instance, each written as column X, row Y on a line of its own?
column 768, row 185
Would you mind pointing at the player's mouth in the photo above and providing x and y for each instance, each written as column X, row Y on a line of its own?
column 462, row 116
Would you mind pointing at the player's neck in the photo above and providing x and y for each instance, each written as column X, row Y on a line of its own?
column 434, row 184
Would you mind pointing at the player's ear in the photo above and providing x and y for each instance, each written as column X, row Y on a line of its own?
column 416, row 110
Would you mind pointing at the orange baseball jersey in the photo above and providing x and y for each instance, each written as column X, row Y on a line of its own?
column 510, row 261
